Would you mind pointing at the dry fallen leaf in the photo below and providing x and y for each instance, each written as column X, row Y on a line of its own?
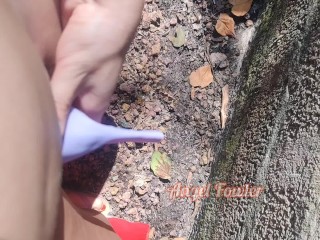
column 161, row 165
column 225, row 25
column 224, row 105
column 179, row 39
column 237, row 2
column 201, row 77
column 240, row 7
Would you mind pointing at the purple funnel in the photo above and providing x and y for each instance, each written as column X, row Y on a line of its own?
column 83, row 135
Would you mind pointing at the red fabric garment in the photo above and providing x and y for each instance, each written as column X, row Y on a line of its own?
column 130, row 230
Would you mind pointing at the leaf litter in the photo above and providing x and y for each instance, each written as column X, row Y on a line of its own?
column 202, row 77
column 141, row 72
column 240, row 7
column 224, row 105
column 161, row 165
column 179, row 39
column 225, row 25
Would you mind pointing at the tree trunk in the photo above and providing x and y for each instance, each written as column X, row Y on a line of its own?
column 273, row 139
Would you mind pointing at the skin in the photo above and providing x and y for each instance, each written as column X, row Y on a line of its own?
column 85, row 44
column 90, row 53
column 70, row 53
column 30, row 172
column 36, row 18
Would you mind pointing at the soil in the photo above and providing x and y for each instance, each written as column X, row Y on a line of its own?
column 154, row 93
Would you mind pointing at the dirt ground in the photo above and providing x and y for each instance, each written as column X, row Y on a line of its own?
column 154, row 93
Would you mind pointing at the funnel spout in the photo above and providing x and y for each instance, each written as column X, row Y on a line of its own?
column 83, row 135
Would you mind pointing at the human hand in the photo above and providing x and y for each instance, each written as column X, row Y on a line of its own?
column 90, row 53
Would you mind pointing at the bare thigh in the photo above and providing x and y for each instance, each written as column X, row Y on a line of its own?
column 30, row 164
column 31, row 203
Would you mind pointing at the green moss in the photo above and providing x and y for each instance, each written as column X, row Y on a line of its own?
column 266, row 19
column 233, row 143
column 254, row 70
column 260, row 49
column 224, row 165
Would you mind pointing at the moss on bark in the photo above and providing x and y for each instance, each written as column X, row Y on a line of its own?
column 273, row 139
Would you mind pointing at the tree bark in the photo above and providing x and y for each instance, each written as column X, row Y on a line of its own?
column 273, row 138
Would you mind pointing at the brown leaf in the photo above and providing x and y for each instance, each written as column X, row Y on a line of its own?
column 163, row 171
column 224, row 105
column 201, row 77
column 237, row 2
column 225, row 25
column 241, row 8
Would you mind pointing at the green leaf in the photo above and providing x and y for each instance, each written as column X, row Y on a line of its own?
column 179, row 39
column 161, row 165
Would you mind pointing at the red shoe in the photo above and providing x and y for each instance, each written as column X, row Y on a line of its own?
column 130, row 230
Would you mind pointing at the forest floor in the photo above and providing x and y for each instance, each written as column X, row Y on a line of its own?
column 154, row 93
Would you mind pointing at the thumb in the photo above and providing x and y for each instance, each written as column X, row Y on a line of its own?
column 65, row 83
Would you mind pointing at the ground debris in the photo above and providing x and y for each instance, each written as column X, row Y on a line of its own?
column 155, row 93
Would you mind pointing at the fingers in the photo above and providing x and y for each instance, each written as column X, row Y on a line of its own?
column 92, row 70
column 94, row 96
column 65, row 83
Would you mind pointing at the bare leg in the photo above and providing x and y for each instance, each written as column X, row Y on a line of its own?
column 30, row 169
column 31, row 205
